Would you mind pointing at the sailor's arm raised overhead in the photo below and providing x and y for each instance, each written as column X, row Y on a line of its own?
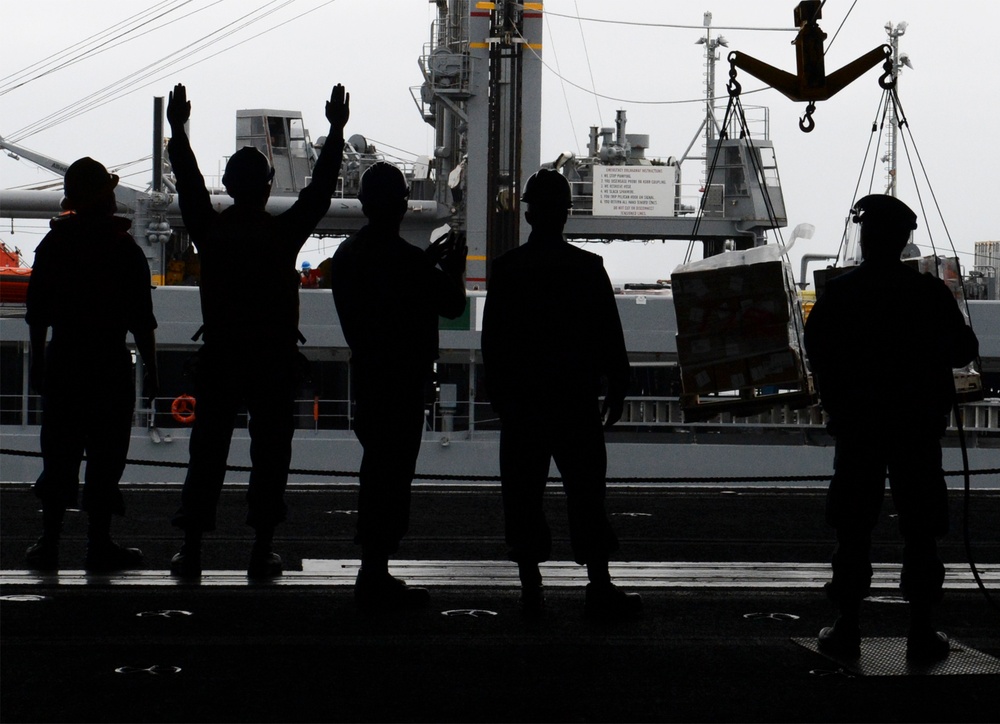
column 193, row 197
column 314, row 199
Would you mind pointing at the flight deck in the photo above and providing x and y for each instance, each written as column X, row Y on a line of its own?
column 731, row 581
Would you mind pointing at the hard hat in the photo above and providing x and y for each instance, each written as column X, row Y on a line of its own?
column 306, row 265
column 382, row 182
column 884, row 209
column 247, row 171
column 547, row 187
column 86, row 181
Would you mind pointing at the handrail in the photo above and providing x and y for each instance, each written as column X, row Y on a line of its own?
column 640, row 413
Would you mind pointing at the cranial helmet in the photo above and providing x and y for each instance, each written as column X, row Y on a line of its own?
column 248, row 171
column 886, row 210
column 85, row 182
column 381, row 183
column 547, row 188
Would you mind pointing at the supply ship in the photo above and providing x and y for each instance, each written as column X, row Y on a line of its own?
column 482, row 95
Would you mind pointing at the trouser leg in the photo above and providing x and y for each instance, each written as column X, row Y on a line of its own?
column 389, row 423
column 211, row 436
column 107, row 442
column 854, row 501
column 271, row 428
column 920, row 495
column 524, row 470
column 852, row 568
column 62, row 444
column 581, row 457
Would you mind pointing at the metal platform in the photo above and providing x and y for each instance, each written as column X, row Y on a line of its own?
column 887, row 657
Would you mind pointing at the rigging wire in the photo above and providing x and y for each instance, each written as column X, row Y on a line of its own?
column 876, row 126
column 13, row 77
column 104, row 48
column 966, row 500
column 631, row 101
column 590, row 69
column 383, row 144
column 606, row 21
column 127, row 90
column 839, row 27
column 127, row 81
column 562, row 86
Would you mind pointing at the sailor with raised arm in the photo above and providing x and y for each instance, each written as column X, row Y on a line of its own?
column 250, row 312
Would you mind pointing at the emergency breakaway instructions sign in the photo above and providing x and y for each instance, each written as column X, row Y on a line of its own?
column 640, row 191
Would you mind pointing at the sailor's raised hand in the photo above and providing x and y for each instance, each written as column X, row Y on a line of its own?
column 437, row 248
column 456, row 250
column 338, row 108
column 178, row 107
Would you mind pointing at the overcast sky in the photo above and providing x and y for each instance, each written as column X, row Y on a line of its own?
column 592, row 69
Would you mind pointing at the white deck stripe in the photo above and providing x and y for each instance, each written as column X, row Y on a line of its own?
column 503, row 574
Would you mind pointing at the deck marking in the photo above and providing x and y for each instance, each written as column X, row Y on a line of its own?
column 503, row 574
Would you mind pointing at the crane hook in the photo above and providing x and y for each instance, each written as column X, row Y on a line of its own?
column 806, row 123
column 733, row 86
column 887, row 81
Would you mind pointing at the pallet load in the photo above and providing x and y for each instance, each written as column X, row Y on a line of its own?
column 739, row 327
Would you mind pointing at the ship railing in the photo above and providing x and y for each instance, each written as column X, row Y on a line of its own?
column 666, row 412
column 640, row 413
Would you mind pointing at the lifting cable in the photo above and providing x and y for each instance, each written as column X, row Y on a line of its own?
column 735, row 110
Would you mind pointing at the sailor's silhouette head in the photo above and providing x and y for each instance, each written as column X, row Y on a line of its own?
column 88, row 187
column 886, row 224
column 248, row 176
column 548, row 198
column 383, row 193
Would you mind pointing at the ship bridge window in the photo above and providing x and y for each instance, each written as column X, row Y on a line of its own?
column 250, row 126
column 768, row 166
column 298, row 135
column 276, row 127
column 736, row 184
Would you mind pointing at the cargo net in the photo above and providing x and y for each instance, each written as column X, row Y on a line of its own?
column 739, row 334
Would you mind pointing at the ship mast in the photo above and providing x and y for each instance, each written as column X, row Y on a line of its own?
column 898, row 61
column 710, row 124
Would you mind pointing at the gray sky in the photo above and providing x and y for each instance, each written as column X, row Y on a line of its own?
column 592, row 69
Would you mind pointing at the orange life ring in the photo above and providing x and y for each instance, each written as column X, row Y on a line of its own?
column 182, row 408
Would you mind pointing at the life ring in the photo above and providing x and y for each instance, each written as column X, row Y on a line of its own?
column 182, row 408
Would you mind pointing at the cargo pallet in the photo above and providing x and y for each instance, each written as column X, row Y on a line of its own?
column 747, row 401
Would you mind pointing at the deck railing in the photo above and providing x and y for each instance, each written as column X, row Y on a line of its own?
column 640, row 414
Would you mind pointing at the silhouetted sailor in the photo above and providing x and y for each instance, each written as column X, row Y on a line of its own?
column 389, row 295
column 551, row 334
column 85, row 372
column 882, row 342
column 250, row 308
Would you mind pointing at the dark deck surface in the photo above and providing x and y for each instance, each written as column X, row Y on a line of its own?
column 717, row 641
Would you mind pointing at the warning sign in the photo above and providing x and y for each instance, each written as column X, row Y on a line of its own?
column 640, row 191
